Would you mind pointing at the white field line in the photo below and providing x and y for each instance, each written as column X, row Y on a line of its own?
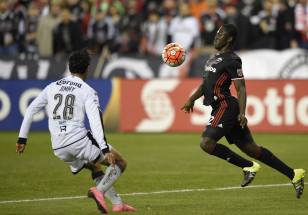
column 149, row 193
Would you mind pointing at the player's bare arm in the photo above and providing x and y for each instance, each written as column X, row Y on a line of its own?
column 242, row 98
column 189, row 105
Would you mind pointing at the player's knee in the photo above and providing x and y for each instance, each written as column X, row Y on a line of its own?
column 202, row 145
column 119, row 158
column 93, row 167
column 251, row 154
column 251, row 149
column 122, row 162
column 206, row 145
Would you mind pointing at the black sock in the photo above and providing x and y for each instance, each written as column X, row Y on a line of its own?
column 97, row 176
column 267, row 157
column 225, row 153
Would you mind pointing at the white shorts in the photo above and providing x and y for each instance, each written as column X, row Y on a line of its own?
column 79, row 153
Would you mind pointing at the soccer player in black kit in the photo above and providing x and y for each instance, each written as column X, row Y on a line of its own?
column 228, row 114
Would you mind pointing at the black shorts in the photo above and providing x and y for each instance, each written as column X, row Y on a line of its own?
column 223, row 122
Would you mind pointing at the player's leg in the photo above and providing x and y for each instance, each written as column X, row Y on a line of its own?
column 223, row 118
column 210, row 146
column 267, row 157
column 106, row 181
column 97, row 176
column 112, row 173
column 245, row 142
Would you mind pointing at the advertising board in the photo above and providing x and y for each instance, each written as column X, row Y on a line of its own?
column 154, row 106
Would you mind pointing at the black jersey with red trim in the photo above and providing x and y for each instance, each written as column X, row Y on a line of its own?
column 220, row 70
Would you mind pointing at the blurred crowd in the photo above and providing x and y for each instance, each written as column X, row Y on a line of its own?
column 55, row 28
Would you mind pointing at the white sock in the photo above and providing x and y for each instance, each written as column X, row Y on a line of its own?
column 114, row 197
column 111, row 194
column 112, row 174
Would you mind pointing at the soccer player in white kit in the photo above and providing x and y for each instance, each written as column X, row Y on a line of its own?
column 68, row 100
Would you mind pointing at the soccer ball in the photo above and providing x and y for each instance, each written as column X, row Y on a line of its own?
column 173, row 55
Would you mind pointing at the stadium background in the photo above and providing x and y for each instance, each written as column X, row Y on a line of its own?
column 134, row 99
column 127, row 71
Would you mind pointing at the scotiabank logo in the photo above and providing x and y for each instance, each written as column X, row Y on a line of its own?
column 278, row 109
column 154, row 106
column 157, row 105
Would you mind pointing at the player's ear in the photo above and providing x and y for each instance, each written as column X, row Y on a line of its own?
column 229, row 40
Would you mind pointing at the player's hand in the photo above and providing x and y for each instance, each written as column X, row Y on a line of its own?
column 188, row 106
column 242, row 119
column 110, row 158
column 20, row 148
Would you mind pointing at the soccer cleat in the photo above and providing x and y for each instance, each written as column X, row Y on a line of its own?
column 126, row 207
column 99, row 199
column 298, row 182
column 250, row 173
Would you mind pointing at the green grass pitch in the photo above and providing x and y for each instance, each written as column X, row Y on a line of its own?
column 156, row 162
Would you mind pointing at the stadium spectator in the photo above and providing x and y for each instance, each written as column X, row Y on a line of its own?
column 198, row 7
column 44, row 6
column 98, row 4
column 184, row 30
column 8, row 31
column 104, row 5
column 85, row 18
column 75, row 8
column 301, row 22
column 151, row 33
column 169, row 11
column 130, row 28
column 100, row 31
column 151, row 5
column 67, row 35
column 118, row 5
column 241, row 22
column 115, row 10
column 20, row 15
column 211, row 20
column 295, row 35
column 169, row 8
column 19, row 10
column 31, row 27
column 249, row 9
column 285, row 28
column 45, row 29
column 267, row 22
column 281, row 26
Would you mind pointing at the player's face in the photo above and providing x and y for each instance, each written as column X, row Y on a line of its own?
column 220, row 39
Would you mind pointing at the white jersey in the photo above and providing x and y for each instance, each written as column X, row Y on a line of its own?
column 68, row 100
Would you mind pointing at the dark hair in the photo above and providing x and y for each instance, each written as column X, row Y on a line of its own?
column 79, row 61
column 231, row 31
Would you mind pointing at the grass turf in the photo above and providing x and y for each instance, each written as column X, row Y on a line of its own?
column 156, row 162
